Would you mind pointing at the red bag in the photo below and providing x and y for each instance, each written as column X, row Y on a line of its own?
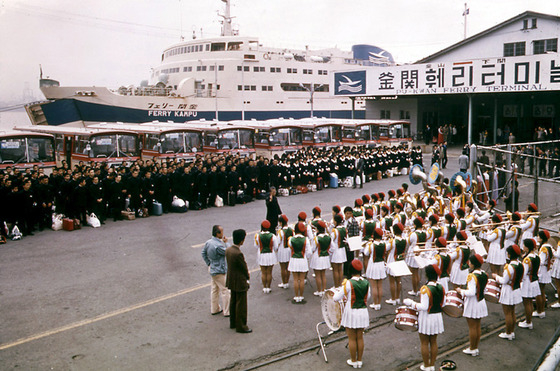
column 68, row 224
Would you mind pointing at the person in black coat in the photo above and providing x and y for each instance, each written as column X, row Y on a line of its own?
column 163, row 190
column 212, row 185
column 202, row 185
column 44, row 194
column 148, row 190
column 273, row 210
column 26, row 202
column 117, row 193
column 96, row 199
column 80, row 198
column 134, row 185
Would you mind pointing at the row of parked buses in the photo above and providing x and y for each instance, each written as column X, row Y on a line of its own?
column 122, row 143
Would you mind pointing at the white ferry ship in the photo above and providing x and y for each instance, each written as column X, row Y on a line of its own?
column 230, row 77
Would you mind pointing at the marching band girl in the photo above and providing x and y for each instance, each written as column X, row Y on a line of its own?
column 530, row 282
column 555, row 273
column 417, row 236
column 496, row 252
column 460, row 257
column 338, row 257
column 300, row 246
column 474, row 307
column 430, row 320
column 545, row 255
column 284, row 252
column 322, row 248
column 267, row 246
column 355, row 317
column 376, row 271
column 510, row 295
column 395, row 252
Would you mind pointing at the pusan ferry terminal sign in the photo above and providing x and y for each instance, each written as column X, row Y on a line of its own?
column 492, row 75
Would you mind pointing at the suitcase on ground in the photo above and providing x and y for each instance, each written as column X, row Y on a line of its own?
column 231, row 198
column 157, row 209
column 179, row 209
column 68, row 224
column 128, row 215
column 333, row 181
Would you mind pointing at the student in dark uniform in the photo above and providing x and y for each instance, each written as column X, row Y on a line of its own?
column 80, row 201
column 237, row 280
column 44, row 193
column 134, row 185
column 96, row 199
column 117, row 193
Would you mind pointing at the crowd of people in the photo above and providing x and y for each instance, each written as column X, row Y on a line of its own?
column 31, row 197
column 431, row 233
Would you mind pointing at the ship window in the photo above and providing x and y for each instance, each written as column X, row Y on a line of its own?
column 187, row 69
column 258, row 69
column 236, row 45
column 249, row 56
column 188, row 49
column 266, row 88
column 239, row 87
column 221, row 67
column 201, row 68
column 275, row 69
column 307, row 72
column 322, row 72
column 218, row 47
column 211, row 68
column 292, row 70
column 207, row 47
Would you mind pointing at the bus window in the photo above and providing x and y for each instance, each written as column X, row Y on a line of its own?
column 246, row 139
column 40, row 150
column 127, row 145
column 12, row 150
column 103, row 146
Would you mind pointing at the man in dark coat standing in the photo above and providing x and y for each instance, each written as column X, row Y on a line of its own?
column 273, row 210
column 237, row 280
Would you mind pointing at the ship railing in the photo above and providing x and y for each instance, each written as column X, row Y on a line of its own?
column 145, row 91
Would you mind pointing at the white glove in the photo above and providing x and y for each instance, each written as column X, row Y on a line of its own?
column 408, row 302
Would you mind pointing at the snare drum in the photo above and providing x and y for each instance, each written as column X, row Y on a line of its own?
column 331, row 310
column 453, row 304
column 406, row 319
column 492, row 291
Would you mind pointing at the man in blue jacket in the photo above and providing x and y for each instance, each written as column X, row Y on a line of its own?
column 214, row 253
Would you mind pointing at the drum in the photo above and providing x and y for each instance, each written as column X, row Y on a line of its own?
column 406, row 319
column 332, row 310
column 453, row 304
column 492, row 291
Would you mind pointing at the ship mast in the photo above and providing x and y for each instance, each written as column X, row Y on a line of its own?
column 226, row 21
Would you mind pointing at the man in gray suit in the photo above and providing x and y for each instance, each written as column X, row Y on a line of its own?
column 238, row 282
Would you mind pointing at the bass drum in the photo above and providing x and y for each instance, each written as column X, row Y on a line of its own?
column 331, row 310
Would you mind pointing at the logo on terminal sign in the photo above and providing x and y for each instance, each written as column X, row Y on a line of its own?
column 350, row 83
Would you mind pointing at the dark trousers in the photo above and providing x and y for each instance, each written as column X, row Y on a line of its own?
column 346, row 267
column 238, row 310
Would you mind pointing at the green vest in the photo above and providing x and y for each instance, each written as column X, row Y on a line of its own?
column 288, row 232
column 452, row 231
column 481, row 281
column 378, row 252
column 445, row 265
column 421, row 236
column 358, row 297
column 298, row 246
column 400, row 246
column 436, row 298
column 265, row 242
column 323, row 244
column 341, row 236
column 369, row 227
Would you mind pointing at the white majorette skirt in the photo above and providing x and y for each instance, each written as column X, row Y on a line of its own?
column 509, row 296
column 267, row 259
column 339, row 255
column 354, row 318
column 544, row 275
column 284, row 255
column 298, row 265
column 458, row 276
column 409, row 259
column 530, row 289
column 472, row 308
column 321, row 262
column 376, row 271
column 555, row 270
column 430, row 323
column 496, row 255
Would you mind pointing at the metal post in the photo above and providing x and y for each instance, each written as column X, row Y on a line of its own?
column 510, row 167
column 353, row 106
column 472, row 160
column 216, row 87
column 536, row 169
column 470, row 119
column 495, row 120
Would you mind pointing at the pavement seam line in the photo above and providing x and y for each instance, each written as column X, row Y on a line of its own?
column 105, row 316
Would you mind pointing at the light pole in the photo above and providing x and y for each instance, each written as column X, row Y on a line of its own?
column 311, row 91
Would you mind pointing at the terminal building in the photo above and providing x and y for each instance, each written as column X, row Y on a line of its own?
column 504, row 79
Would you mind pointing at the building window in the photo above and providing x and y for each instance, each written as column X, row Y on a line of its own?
column 385, row 114
column 534, row 23
column 404, row 115
column 514, row 49
column 543, row 46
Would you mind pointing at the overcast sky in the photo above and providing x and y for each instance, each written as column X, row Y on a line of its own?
column 115, row 42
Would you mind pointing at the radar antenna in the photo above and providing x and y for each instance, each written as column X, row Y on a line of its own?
column 226, row 20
